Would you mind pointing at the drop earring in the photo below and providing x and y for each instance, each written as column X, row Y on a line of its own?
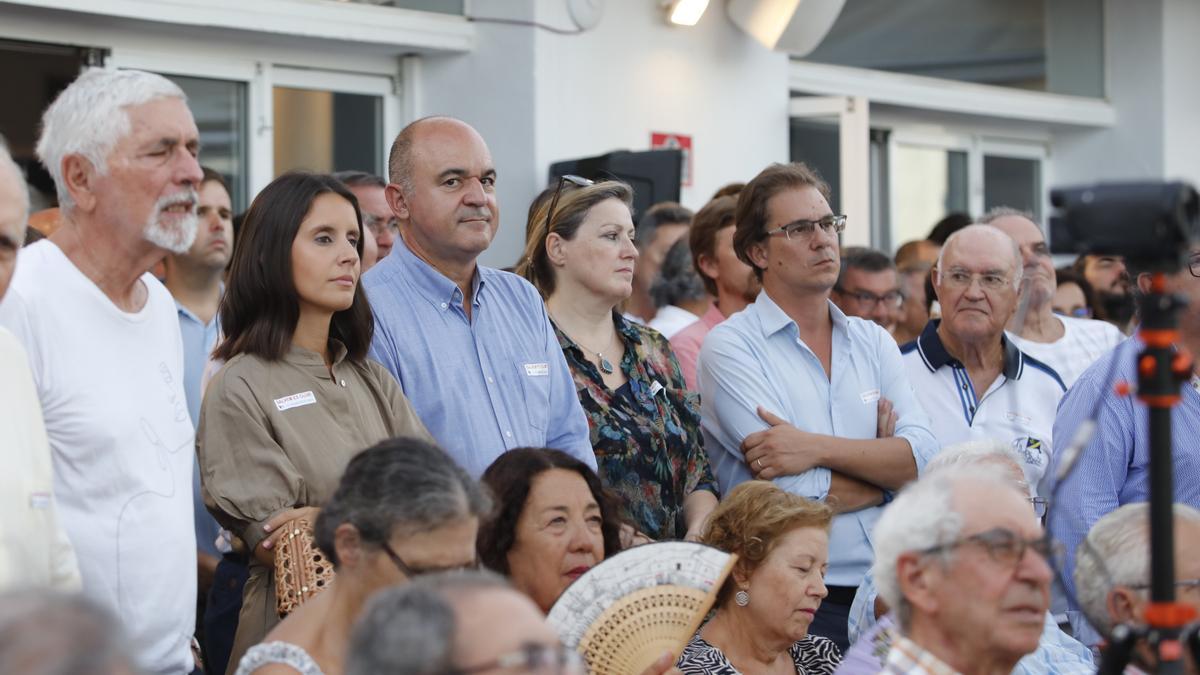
column 742, row 598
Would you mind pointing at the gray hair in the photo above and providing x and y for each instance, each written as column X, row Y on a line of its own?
column 409, row 630
column 1115, row 553
column 1018, row 260
column 45, row 632
column 998, row 212
column 677, row 280
column 353, row 179
column 662, row 213
column 923, row 516
column 91, row 116
column 977, row 452
column 402, row 486
column 7, row 165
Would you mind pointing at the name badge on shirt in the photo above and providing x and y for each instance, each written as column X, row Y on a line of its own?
column 1018, row 418
column 869, row 396
column 295, row 401
column 655, row 388
column 537, row 369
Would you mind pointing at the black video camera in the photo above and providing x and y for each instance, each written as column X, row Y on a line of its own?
column 1150, row 224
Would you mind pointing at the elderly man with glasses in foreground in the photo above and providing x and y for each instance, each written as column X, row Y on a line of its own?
column 963, row 563
column 974, row 381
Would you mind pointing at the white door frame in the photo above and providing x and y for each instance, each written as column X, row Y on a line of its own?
column 852, row 114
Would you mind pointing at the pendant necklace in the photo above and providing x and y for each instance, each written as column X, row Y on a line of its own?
column 605, row 365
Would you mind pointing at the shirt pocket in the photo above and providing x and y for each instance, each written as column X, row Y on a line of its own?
column 535, row 375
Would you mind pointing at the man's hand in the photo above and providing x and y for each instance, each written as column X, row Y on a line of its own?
column 885, row 426
column 265, row 552
column 781, row 450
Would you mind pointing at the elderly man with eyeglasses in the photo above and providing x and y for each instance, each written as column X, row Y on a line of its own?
column 974, row 382
column 792, row 390
column 963, row 562
column 1113, row 468
column 1066, row 343
column 869, row 287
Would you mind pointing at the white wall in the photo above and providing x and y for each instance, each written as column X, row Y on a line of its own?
column 539, row 97
column 1181, row 57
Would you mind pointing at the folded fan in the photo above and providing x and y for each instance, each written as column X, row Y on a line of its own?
column 625, row 612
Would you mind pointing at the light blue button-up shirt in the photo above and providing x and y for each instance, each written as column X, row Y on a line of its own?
column 756, row 358
column 483, row 385
column 199, row 339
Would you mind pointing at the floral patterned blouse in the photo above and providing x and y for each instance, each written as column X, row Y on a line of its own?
column 647, row 433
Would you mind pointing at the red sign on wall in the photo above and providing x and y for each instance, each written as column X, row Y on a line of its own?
column 666, row 141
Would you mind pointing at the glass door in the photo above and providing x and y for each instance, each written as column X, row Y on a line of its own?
column 832, row 134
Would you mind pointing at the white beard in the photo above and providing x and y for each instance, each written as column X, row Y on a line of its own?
column 177, row 239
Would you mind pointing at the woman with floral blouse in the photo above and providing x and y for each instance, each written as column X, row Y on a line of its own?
column 645, row 424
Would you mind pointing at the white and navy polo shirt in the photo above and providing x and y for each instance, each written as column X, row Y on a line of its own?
column 1018, row 408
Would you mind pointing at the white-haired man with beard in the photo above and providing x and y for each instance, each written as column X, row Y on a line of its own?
column 105, row 350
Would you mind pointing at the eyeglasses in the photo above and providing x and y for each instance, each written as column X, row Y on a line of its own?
column 868, row 299
column 577, row 181
column 1040, row 506
column 1186, row 583
column 1086, row 313
column 1004, row 546
column 412, row 572
column 957, row 277
column 804, row 229
column 377, row 224
column 1194, row 265
column 535, row 658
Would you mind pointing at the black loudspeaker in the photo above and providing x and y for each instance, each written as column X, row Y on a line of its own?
column 654, row 175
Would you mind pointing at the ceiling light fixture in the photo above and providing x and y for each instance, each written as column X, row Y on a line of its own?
column 685, row 12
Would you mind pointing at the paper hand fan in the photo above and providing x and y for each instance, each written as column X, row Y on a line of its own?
column 625, row 612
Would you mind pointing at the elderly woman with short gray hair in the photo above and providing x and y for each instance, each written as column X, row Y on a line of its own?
column 403, row 509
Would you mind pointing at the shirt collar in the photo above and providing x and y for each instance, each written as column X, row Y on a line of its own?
column 312, row 363
column 435, row 287
column 713, row 316
column 774, row 319
column 934, row 353
column 192, row 315
column 908, row 657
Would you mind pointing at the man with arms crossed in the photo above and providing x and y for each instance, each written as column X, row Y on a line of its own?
column 794, row 391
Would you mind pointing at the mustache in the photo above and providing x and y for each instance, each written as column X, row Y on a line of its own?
column 482, row 212
column 181, row 197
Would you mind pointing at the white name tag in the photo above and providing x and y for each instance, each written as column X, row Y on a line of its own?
column 537, row 369
column 655, row 388
column 1017, row 417
column 39, row 500
column 869, row 396
column 295, row 400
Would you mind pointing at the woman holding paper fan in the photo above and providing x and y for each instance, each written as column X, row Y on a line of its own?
column 768, row 602
column 297, row 396
column 645, row 424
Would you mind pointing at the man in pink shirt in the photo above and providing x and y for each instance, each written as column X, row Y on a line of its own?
column 731, row 281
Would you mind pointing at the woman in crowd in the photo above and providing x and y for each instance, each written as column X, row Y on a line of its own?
column 553, row 522
column 766, row 605
column 297, row 396
column 1072, row 295
column 403, row 508
column 645, row 425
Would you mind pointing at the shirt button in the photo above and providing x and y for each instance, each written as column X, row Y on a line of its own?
column 444, row 305
column 490, row 380
column 508, row 433
column 343, row 383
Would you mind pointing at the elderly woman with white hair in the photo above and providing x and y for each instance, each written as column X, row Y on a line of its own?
column 872, row 628
column 1112, row 571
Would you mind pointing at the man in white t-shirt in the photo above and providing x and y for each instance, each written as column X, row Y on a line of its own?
column 105, row 350
column 34, row 550
column 1066, row 344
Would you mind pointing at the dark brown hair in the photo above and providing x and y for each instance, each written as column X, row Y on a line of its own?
column 260, row 308
column 510, row 477
column 751, row 216
column 702, row 238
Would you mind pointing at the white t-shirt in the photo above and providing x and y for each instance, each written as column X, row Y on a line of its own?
column 111, row 389
column 671, row 319
column 1083, row 341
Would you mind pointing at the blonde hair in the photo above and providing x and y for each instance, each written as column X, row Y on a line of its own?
column 751, row 520
column 574, row 203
